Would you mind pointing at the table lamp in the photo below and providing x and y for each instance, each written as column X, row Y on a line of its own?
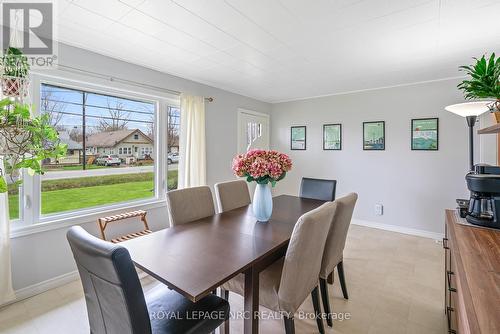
column 470, row 110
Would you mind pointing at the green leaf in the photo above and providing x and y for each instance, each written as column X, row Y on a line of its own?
column 22, row 110
column 15, row 63
column 3, row 185
column 5, row 102
column 484, row 81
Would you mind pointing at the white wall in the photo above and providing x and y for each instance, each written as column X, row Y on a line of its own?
column 414, row 186
column 43, row 256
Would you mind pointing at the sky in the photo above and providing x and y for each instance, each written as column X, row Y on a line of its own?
column 66, row 105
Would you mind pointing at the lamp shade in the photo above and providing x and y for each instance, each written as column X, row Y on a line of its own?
column 475, row 108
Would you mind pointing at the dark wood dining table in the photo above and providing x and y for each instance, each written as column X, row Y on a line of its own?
column 196, row 258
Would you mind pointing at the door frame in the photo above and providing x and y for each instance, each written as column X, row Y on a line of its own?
column 253, row 113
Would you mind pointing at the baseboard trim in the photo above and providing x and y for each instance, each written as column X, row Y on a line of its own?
column 50, row 284
column 398, row 229
column 38, row 288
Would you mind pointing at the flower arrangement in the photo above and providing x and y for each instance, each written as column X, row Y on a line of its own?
column 262, row 166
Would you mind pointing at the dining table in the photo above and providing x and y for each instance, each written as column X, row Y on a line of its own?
column 196, row 258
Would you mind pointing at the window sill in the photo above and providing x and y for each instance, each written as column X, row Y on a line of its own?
column 76, row 218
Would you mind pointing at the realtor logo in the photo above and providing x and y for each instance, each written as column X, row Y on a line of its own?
column 29, row 27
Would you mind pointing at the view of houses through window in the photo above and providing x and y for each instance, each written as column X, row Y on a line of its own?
column 111, row 151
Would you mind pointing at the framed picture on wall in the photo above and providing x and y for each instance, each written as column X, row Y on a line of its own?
column 374, row 136
column 425, row 134
column 332, row 136
column 298, row 138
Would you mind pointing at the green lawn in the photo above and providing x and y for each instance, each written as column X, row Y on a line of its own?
column 72, row 199
column 14, row 206
column 61, row 195
column 79, row 198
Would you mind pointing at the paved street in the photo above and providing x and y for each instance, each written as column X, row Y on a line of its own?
column 70, row 174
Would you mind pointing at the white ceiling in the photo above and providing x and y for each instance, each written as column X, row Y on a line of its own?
column 276, row 50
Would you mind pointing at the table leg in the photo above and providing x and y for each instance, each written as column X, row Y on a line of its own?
column 251, row 322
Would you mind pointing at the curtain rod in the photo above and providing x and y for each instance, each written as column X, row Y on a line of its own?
column 125, row 81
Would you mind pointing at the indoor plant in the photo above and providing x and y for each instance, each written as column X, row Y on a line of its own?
column 263, row 167
column 15, row 71
column 483, row 81
column 25, row 141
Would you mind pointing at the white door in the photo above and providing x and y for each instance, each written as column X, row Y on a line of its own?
column 253, row 130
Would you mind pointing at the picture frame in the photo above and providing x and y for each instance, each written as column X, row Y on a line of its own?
column 298, row 138
column 332, row 137
column 424, row 134
column 374, row 136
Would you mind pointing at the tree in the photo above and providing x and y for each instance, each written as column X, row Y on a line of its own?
column 52, row 107
column 173, row 128
column 150, row 132
column 117, row 118
column 76, row 134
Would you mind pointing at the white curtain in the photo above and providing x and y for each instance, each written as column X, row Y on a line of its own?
column 6, row 291
column 192, row 164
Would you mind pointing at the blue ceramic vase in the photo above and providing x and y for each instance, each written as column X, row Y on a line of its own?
column 262, row 203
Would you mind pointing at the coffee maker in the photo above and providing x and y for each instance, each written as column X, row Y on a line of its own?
column 484, row 205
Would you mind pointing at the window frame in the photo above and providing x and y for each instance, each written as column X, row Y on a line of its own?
column 31, row 219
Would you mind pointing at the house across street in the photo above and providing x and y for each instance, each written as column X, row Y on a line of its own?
column 123, row 143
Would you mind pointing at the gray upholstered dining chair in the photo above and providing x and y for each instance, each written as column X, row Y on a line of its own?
column 334, row 249
column 286, row 283
column 320, row 189
column 189, row 204
column 115, row 299
column 232, row 194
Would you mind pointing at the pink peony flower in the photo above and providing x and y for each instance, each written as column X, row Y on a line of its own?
column 261, row 165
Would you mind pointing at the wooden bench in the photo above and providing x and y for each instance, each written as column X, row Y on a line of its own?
column 103, row 224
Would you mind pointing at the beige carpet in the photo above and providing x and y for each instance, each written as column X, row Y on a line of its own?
column 395, row 284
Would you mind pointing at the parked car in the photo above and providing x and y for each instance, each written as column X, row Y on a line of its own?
column 173, row 158
column 108, row 160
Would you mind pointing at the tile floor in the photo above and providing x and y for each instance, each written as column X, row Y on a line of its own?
column 395, row 284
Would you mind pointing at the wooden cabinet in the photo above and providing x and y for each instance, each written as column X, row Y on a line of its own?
column 472, row 277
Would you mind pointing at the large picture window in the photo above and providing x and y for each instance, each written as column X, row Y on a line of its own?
column 123, row 153
column 111, row 145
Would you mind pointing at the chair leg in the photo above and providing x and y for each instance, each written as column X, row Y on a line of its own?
column 289, row 325
column 317, row 310
column 224, row 294
column 330, row 278
column 224, row 328
column 326, row 301
column 340, row 268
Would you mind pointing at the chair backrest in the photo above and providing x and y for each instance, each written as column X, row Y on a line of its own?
column 318, row 189
column 335, row 242
column 113, row 293
column 303, row 257
column 189, row 204
column 232, row 194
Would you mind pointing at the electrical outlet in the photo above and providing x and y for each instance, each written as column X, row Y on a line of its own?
column 379, row 209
